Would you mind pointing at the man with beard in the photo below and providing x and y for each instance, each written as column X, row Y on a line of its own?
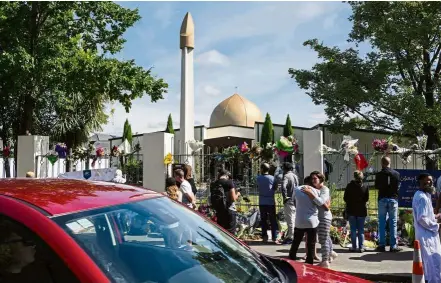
column 426, row 228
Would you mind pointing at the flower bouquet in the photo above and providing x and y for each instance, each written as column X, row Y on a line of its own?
column 6, row 152
column 99, row 153
column 61, row 149
column 115, row 151
column 244, row 148
column 168, row 159
column 255, row 151
column 196, row 146
column 348, row 146
column 284, row 146
column 380, row 145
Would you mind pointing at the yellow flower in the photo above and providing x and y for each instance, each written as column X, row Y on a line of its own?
column 168, row 159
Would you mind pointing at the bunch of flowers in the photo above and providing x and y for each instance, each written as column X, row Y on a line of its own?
column 381, row 145
column 196, row 146
column 244, row 148
column 100, row 152
column 255, row 151
column 168, row 159
column 286, row 145
column 115, row 151
column 82, row 153
column 6, row 152
column 61, row 149
column 348, row 147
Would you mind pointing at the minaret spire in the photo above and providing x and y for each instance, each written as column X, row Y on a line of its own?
column 186, row 131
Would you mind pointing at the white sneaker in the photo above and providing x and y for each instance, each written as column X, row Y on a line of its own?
column 334, row 255
column 324, row 264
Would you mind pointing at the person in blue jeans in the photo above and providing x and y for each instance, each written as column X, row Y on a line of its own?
column 356, row 196
column 267, row 206
column 387, row 182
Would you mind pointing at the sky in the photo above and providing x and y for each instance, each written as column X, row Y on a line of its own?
column 248, row 45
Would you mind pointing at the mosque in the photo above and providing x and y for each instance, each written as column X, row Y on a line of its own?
column 233, row 121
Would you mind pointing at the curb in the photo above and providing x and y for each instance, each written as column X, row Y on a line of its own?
column 400, row 277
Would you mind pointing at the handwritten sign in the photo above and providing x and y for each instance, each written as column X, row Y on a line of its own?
column 409, row 185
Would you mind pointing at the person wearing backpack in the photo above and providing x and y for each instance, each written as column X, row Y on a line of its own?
column 223, row 198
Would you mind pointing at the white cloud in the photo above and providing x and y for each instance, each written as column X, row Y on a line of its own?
column 212, row 57
column 260, row 71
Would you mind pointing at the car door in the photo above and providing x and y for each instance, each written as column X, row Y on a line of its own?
column 55, row 244
column 25, row 251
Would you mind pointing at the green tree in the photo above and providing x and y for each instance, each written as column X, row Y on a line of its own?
column 287, row 129
column 393, row 87
column 169, row 128
column 57, row 70
column 267, row 135
column 127, row 132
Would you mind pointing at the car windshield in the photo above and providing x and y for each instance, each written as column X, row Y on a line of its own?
column 158, row 240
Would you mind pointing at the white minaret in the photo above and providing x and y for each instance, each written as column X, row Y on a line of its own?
column 186, row 131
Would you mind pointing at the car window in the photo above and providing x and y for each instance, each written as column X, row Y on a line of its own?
column 158, row 240
column 26, row 258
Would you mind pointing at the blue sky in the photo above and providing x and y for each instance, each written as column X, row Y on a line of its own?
column 249, row 45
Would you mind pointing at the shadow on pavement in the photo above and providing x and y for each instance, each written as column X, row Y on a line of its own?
column 378, row 257
column 384, row 277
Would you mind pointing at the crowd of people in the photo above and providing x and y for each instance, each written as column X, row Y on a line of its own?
column 307, row 210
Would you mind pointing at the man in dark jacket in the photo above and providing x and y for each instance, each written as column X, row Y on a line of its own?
column 387, row 182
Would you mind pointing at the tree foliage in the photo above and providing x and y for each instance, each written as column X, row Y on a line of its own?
column 393, row 87
column 267, row 135
column 57, row 71
column 287, row 129
column 169, row 128
column 127, row 132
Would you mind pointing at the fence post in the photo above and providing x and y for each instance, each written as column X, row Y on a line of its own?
column 155, row 147
column 312, row 151
column 28, row 150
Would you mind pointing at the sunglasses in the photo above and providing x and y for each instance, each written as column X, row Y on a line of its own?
column 27, row 243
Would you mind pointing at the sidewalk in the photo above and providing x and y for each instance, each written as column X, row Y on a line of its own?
column 385, row 267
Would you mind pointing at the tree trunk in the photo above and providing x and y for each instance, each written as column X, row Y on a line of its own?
column 432, row 143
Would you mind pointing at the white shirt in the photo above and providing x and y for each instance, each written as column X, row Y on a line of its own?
column 186, row 189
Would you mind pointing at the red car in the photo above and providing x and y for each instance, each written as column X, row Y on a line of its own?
column 63, row 231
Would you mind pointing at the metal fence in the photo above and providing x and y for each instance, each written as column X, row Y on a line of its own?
column 7, row 167
column 340, row 173
column 244, row 172
column 131, row 166
column 44, row 168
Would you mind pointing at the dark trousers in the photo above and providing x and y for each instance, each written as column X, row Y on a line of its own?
column 227, row 219
column 311, row 235
column 268, row 211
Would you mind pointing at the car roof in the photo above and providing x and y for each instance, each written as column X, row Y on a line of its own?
column 63, row 196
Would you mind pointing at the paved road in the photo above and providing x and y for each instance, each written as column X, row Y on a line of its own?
column 385, row 267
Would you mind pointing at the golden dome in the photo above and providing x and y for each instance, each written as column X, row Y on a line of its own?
column 235, row 111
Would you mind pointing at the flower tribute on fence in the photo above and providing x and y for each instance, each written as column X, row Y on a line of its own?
column 61, row 150
column 284, row 147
